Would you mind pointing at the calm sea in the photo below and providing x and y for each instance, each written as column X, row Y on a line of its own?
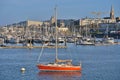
column 98, row 63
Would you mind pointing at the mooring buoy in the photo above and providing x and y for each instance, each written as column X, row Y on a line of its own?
column 22, row 69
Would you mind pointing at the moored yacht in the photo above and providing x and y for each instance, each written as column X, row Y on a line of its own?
column 109, row 40
column 87, row 41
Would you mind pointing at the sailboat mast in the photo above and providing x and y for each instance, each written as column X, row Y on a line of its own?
column 56, row 33
column 86, row 34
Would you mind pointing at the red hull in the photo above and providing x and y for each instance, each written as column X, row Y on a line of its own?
column 58, row 68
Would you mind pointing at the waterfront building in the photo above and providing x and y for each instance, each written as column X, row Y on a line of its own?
column 26, row 23
column 110, row 26
column 52, row 21
column 62, row 24
column 1, row 41
column 117, row 19
column 3, row 30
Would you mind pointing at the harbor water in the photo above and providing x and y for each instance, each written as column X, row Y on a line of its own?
column 98, row 63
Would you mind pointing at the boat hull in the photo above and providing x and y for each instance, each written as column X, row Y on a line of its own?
column 58, row 68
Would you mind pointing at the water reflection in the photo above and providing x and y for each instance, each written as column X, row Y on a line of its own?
column 59, row 75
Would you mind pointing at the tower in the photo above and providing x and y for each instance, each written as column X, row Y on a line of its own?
column 52, row 20
column 112, row 13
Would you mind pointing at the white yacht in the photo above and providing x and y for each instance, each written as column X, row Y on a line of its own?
column 109, row 40
column 87, row 41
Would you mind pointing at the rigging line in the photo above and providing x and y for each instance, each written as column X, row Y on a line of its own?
column 69, row 52
column 40, row 53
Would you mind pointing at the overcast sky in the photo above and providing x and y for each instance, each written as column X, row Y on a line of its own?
column 13, row 11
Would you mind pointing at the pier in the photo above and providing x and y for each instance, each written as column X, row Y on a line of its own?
column 30, row 47
column 105, row 44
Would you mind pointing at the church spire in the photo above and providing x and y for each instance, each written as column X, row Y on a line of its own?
column 112, row 13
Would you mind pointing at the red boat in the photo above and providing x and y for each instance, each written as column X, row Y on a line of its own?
column 58, row 65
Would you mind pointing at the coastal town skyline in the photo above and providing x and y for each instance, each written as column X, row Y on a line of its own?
column 14, row 11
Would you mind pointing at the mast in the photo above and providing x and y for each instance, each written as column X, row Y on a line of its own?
column 56, row 44
column 56, row 41
column 86, row 34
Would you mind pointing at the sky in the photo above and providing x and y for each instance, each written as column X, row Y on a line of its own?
column 14, row 11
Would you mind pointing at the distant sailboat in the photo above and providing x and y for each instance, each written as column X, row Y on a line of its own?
column 86, row 40
column 107, row 39
column 59, row 65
